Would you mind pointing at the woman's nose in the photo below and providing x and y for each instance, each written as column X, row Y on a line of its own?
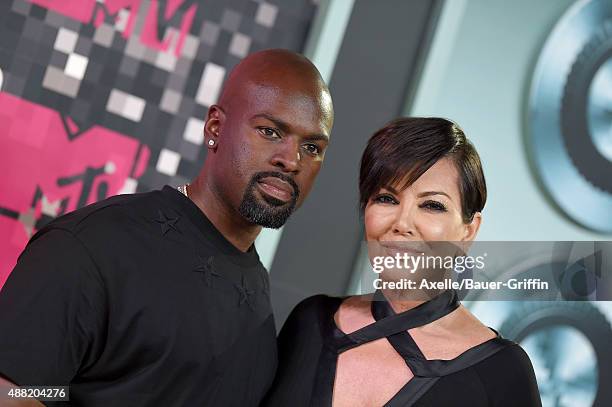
column 403, row 223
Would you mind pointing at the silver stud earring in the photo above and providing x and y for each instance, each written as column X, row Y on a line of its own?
column 211, row 142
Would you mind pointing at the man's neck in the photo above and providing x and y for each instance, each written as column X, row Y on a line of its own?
column 228, row 221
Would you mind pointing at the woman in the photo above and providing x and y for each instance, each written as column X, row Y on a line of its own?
column 420, row 181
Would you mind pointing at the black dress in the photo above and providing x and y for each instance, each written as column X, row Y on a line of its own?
column 139, row 300
column 495, row 373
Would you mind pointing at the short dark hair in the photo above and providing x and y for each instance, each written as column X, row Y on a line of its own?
column 403, row 150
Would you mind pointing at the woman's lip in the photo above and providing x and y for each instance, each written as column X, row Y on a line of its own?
column 396, row 250
column 410, row 248
column 274, row 191
column 403, row 245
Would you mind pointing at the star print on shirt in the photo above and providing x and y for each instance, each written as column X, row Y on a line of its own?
column 206, row 268
column 245, row 293
column 166, row 222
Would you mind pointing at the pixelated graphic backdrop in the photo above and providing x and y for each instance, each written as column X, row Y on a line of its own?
column 100, row 97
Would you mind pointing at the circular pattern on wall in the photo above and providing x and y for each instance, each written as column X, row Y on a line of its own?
column 570, row 114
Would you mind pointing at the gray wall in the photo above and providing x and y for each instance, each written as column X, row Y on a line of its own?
column 377, row 62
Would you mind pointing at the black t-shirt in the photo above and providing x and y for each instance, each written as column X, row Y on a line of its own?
column 495, row 373
column 139, row 301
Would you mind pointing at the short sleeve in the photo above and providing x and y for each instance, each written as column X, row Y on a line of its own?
column 52, row 309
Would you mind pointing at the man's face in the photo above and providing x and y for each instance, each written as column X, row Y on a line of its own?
column 271, row 144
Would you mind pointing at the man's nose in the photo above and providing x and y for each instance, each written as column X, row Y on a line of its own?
column 287, row 156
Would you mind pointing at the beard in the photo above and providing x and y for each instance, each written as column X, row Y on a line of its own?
column 268, row 212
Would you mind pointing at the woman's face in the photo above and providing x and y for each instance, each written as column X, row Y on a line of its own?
column 428, row 210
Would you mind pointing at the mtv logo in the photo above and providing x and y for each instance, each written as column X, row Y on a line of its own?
column 50, row 167
column 159, row 15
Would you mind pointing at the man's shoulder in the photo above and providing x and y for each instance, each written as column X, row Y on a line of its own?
column 111, row 211
column 110, row 217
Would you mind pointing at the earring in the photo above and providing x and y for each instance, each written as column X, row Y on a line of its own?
column 211, row 142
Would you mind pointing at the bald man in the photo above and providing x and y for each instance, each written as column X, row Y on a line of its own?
column 159, row 299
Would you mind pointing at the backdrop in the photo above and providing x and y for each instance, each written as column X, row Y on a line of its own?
column 105, row 97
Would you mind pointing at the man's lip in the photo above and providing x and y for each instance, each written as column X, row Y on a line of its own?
column 278, row 184
column 277, row 188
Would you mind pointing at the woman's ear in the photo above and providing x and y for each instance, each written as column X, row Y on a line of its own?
column 471, row 229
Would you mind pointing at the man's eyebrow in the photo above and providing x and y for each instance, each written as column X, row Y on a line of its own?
column 277, row 122
column 317, row 137
column 285, row 127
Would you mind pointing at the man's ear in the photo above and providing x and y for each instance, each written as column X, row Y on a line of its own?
column 212, row 128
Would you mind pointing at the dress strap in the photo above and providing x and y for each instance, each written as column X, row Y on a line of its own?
column 406, row 347
column 395, row 328
column 389, row 323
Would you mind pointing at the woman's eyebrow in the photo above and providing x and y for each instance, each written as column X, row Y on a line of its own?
column 390, row 189
column 430, row 193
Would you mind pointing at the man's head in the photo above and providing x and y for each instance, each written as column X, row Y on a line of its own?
column 267, row 136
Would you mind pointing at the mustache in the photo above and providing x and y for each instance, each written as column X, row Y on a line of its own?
column 265, row 174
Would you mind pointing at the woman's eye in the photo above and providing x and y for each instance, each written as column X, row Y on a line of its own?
column 268, row 132
column 385, row 199
column 434, row 206
column 312, row 149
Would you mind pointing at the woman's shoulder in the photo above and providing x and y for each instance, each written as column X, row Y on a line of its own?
column 317, row 301
column 305, row 325
column 319, row 310
column 311, row 310
column 508, row 374
column 313, row 305
column 512, row 358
